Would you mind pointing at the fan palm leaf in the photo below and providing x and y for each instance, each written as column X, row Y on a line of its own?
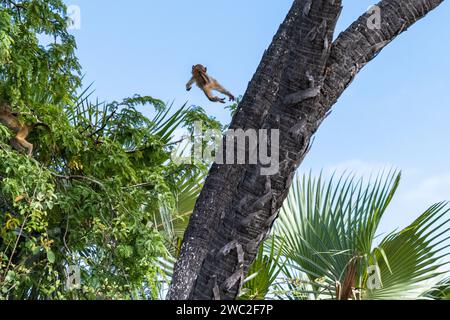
column 329, row 230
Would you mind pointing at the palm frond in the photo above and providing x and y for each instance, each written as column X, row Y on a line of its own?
column 329, row 231
column 263, row 272
column 415, row 255
column 440, row 291
column 325, row 225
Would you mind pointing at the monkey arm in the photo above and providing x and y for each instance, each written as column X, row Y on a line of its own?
column 189, row 84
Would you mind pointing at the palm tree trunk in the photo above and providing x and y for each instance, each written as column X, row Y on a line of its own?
column 299, row 79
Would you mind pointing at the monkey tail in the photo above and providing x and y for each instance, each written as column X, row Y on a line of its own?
column 41, row 124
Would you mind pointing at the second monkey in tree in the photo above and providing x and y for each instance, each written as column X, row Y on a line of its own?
column 20, row 130
column 207, row 84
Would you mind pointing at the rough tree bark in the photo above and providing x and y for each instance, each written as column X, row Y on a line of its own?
column 299, row 79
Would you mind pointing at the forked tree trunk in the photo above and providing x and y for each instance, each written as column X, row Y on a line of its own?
column 299, row 79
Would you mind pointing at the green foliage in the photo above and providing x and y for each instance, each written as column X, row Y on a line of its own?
column 97, row 203
column 234, row 107
column 28, row 69
column 101, row 192
column 441, row 291
column 327, row 229
column 263, row 273
column 413, row 256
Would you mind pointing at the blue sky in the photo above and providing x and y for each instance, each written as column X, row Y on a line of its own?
column 396, row 114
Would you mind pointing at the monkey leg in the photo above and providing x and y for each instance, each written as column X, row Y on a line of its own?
column 22, row 145
column 28, row 146
column 16, row 145
column 211, row 97
column 221, row 89
column 21, row 137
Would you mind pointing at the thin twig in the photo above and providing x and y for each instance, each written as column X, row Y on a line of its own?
column 141, row 185
column 65, row 234
column 105, row 123
column 75, row 177
column 15, row 247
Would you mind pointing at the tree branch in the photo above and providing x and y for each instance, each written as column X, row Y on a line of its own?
column 358, row 45
column 75, row 177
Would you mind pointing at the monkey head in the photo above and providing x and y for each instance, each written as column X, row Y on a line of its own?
column 199, row 69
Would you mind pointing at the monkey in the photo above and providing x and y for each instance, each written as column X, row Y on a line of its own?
column 207, row 84
column 11, row 120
